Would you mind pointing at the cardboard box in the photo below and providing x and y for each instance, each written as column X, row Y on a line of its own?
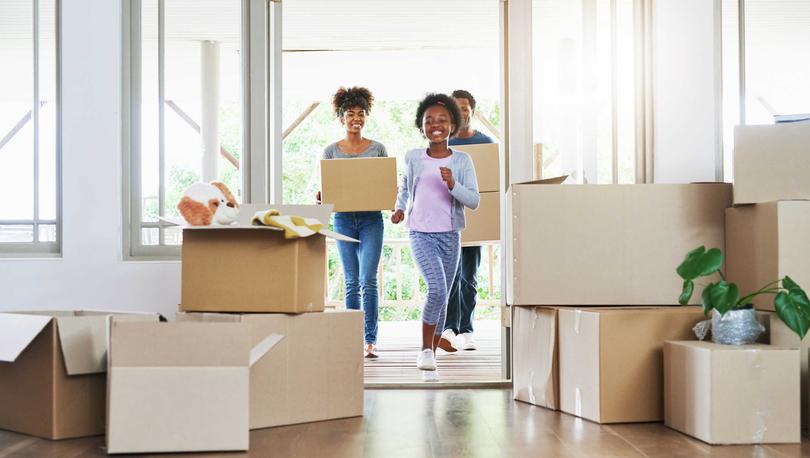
column 483, row 223
column 244, row 268
column 771, row 162
column 607, row 244
column 52, row 372
column 486, row 160
column 783, row 336
column 764, row 243
column 315, row 373
column 535, row 360
column 729, row 394
column 179, row 387
column 359, row 184
column 611, row 366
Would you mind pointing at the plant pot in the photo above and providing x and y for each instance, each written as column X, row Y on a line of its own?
column 736, row 327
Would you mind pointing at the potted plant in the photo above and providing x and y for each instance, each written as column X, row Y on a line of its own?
column 734, row 318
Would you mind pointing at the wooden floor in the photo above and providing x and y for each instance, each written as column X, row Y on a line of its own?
column 400, row 341
column 445, row 423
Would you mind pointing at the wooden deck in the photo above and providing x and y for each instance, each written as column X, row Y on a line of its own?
column 399, row 343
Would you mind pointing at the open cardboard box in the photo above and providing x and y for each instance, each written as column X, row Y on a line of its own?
column 314, row 374
column 359, row 184
column 607, row 244
column 180, row 387
column 246, row 268
column 52, row 371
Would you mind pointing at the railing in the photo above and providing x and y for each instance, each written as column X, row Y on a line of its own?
column 396, row 265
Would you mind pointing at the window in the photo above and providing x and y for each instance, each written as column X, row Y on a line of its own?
column 772, row 84
column 584, row 88
column 29, row 128
column 185, row 92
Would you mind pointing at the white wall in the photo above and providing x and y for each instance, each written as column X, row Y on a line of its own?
column 91, row 273
column 686, row 90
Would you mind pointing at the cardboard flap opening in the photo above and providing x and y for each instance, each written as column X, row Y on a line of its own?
column 83, row 338
column 553, row 180
column 17, row 331
column 261, row 348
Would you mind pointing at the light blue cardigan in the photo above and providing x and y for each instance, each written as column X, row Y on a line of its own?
column 465, row 192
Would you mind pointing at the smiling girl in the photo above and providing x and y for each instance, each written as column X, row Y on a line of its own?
column 438, row 183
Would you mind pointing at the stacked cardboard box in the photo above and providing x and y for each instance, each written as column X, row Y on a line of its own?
column 594, row 291
column 219, row 371
column 53, row 371
column 767, row 229
column 483, row 224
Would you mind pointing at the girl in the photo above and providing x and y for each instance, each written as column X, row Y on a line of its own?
column 359, row 261
column 438, row 183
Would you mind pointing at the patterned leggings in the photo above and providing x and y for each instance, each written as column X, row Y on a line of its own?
column 436, row 255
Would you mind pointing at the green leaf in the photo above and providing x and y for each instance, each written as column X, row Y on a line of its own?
column 724, row 296
column 686, row 294
column 789, row 284
column 794, row 311
column 706, row 298
column 711, row 262
column 690, row 267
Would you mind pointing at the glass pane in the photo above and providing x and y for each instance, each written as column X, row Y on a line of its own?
column 150, row 121
column 203, row 56
column 173, row 235
column 47, row 233
column 731, row 83
column 48, row 109
column 777, row 59
column 16, row 101
column 150, row 236
column 18, row 234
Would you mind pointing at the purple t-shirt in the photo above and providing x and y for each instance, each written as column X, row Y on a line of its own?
column 432, row 202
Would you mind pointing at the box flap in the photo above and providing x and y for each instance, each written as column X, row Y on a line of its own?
column 261, row 348
column 17, row 331
column 83, row 338
column 179, row 344
column 552, row 180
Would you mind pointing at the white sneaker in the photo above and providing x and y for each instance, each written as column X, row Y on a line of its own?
column 467, row 342
column 446, row 341
column 426, row 361
column 430, row 376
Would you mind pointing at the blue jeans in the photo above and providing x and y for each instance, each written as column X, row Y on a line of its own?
column 360, row 262
column 461, row 304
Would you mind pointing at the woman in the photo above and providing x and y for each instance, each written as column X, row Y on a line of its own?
column 438, row 183
column 360, row 261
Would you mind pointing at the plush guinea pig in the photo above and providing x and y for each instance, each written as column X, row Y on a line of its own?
column 204, row 204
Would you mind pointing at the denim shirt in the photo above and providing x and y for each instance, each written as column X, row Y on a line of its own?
column 465, row 192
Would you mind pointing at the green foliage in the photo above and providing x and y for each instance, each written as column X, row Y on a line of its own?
column 790, row 301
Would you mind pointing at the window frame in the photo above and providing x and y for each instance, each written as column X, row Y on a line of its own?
column 261, row 59
column 37, row 248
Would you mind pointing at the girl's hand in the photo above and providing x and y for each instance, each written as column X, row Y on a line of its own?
column 447, row 176
column 397, row 217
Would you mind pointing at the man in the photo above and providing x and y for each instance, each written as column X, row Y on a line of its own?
column 458, row 328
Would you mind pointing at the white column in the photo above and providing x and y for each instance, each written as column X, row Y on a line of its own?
column 274, row 175
column 209, row 127
column 517, row 55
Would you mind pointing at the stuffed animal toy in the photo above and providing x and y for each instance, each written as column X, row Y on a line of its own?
column 204, row 204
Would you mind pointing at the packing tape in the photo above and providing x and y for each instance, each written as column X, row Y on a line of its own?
column 532, row 398
column 761, row 417
column 534, row 316
column 577, row 316
column 577, row 402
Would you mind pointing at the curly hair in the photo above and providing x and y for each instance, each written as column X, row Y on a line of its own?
column 442, row 100
column 345, row 99
column 462, row 94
